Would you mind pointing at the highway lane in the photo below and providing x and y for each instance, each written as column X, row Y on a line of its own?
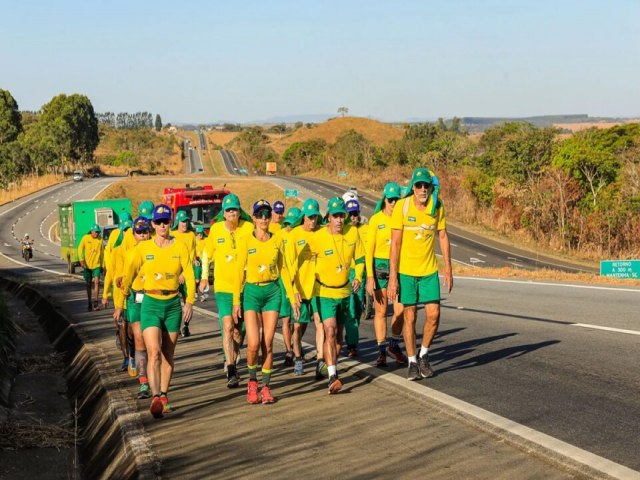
column 512, row 348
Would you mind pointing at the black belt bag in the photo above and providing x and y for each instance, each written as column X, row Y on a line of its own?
column 381, row 273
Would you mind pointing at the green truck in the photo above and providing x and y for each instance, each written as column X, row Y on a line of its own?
column 76, row 218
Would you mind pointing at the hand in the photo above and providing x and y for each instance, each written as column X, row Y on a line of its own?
column 117, row 315
column 298, row 299
column 392, row 289
column 295, row 308
column 236, row 314
column 371, row 284
column 181, row 279
column 204, row 283
column 105, row 302
column 83, row 264
column 187, row 312
column 355, row 285
column 448, row 279
column 119, row 282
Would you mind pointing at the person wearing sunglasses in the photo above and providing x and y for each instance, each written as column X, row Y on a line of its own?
column 183, row 231
column 231, row 225
column 301, row 264
column 197, row 263
column 377, row 248
column 277, row 215
column 261, row 264
column 138, row 364
column 337, row 247
column 162, row 260
column 416, row 221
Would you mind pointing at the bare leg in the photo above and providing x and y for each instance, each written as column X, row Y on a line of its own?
column 409, row 330
column 431, row 323
column 169, row 341
column 152, row 339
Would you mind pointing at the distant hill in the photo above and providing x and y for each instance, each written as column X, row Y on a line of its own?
column 377, row 132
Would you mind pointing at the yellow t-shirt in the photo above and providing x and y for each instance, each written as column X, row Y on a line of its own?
column 138, row 282
column 334, row 255
column 161, row 268
column 200, row 242
column 378, row 244
column 189, row 240
column 301, row 262
column 260, row 262
column 417, row 254
column 275, row 227
column 221, row 249
column 90, row 250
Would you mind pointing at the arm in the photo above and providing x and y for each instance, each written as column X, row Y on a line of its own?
column 445, row 248
column 394, row 258
column 207, row 255
column 359, row 262
column 81, row 248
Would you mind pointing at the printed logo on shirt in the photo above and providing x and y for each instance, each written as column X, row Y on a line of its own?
column 328, row 252
column 169, row 276
column 149, row 257
column 176, row 257
column 252, row 250
column 221, row 240
column 381, row 226
column 412, row 219
column 301, row 242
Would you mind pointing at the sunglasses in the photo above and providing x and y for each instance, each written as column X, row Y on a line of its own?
column 422, row 185
column 392, row 200
column 231, row 210
column 354, row 214
column 264, row 214
column 140, row 231
column 162, row 221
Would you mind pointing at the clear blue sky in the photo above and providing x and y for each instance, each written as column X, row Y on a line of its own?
column 393, row 60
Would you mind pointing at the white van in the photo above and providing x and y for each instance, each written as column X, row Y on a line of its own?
column 77, row 176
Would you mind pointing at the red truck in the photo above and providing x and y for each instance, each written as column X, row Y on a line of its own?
column 202, row 204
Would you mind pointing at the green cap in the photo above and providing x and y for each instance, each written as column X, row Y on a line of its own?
column 126, row 224
column 230, row 201
column 95, row 228
column 122, row 217
column 199, row 229
column 293, row 217
column 145, row 209
column 181, row 216
column 391, row 190
column 336, row 205
column 420, row 174
column 310, row 207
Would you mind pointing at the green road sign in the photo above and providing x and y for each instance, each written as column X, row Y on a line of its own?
column 290, row 193
column 620, row 268
column 342, row 174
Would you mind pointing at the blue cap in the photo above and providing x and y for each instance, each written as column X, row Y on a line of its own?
column 161, row 212
column 278, row 206
column 141, row 224
column 261, row 205
column 352, row 206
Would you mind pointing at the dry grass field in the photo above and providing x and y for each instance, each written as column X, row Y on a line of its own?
column 29, row 185
column 377, row 132
column 576, row 127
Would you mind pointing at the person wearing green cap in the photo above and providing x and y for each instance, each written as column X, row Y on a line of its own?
column 289, row 221
column 221, row 248
column 145, row 209
column 413, row 269
column 115, row 237
column 336, row 247
column 377, row 248
column 302, row 269
column 90, row 252
column 182, row 231
column 197, row 264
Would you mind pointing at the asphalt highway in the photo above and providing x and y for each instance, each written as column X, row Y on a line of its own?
column 559, row 359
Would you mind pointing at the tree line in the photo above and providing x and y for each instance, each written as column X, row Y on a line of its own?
column 574, row 193
column 130, row 121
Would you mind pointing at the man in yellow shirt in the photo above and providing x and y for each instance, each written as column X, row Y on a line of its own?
column 336, row 247
column 90, row 252
column 221, row 248
column 413, row 268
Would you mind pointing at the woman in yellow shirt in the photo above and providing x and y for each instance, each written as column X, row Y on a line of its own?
column 261, row 261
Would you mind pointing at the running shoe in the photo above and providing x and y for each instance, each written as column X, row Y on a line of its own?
column 298, row 367
column 185, row 330
column 144, row 391
column 321, row 370
column 395, row 352
column 381, row 361
column 413, row 372
column 425, row 366
column 352, row 351
column 252, row 392
column 132, row 368
column 266, row 396
column 233, row 380
column 125, row 365
column 166, row 406
column 288, row 359
column 156, row 407
column 335, row 385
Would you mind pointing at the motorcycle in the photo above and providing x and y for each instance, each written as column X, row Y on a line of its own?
column 27, row 251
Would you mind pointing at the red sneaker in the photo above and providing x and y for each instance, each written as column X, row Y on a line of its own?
column 396, row 353
column 156, row 407
column 252, row 392
column 382, row 360
column 265, row 393
column 166, row 407
column 335, row 385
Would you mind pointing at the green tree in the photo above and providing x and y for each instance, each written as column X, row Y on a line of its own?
column 158, row 122
column 343, row 111
column 10, row 119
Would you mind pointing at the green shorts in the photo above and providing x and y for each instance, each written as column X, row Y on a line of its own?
column 197, row 271
column 337, row 308
column 285, row 304
column 414, row 290
column 380, row 273
column 262, row 298
column 89, row 273
column 133, row 307
column 224, row 300
column 163, row 314
column 306, row 311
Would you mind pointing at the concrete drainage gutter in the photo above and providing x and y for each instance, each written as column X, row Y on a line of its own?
column 114, row 444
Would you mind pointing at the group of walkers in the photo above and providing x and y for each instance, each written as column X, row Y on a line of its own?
column 298, row 265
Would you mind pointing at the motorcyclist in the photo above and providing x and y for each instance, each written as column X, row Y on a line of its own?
column 26, row 244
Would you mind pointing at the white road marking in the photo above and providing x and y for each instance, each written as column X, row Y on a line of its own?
column 608, row 329
column 480, row 254
column 548, row 284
